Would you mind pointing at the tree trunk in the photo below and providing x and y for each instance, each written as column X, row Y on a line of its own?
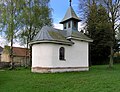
column 11, row 34
column 111, row 58
column 11, row 54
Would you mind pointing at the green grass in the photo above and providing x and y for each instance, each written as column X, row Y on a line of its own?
column 98, row 79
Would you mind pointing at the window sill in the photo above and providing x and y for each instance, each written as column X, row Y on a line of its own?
column 62, row 59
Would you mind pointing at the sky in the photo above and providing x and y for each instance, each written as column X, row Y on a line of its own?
column 59, row 9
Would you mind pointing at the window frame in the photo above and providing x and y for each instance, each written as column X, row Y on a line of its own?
column 75, row 24
column 62, row 53
column 69, row 24
column 65, row 26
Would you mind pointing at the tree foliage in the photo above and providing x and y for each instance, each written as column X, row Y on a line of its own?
column 98, row 27
column 9, row 24
column 100, row 48
column 34, row 15
column 113, row 7
column 23, row 19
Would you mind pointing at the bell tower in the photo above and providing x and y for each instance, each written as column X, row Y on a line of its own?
column 70, row 20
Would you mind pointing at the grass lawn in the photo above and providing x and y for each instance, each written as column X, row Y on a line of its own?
column 98, row 79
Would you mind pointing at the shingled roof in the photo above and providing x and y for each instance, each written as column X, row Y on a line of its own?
column 80, row 36
column 50, row 34
column 70, row 14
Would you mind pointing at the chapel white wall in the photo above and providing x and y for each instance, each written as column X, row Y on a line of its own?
column 47, row 55
column 42, row 55
column 76, row 55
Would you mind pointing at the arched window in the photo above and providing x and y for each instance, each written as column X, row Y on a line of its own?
column 62, row 53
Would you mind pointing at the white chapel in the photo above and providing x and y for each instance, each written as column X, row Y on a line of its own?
column 55, row 50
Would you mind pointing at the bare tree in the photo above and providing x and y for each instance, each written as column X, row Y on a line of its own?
column 113, row 7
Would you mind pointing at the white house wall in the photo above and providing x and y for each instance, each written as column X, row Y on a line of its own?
column 46, row 55
column 76, row 55
column 42, row 55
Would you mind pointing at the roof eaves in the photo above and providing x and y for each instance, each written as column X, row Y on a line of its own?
column 80, row 39
column 67, row 19
column 52, row 41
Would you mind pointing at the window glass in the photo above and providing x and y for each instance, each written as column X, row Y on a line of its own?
column 68, row 24
column 75, row 24
column 65, row 26
column 62, row 53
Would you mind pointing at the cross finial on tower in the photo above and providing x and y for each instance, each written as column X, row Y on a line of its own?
column 70, row 2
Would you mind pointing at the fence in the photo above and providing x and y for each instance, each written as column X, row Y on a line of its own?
column 4, row 64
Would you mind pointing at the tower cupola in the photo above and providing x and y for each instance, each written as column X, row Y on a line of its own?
column 70, row 20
